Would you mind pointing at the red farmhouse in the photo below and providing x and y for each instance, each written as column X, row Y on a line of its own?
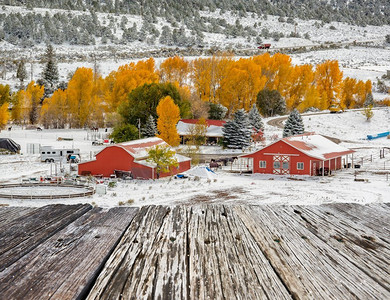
column 306, row 154
column 130, row 157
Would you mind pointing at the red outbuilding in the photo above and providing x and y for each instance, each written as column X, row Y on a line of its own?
column 306, row 154
column 130, row 157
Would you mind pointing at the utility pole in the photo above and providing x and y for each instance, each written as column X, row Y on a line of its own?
column 139, row 128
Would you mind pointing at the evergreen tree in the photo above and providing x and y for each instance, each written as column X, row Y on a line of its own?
column 294, row 124
column 237, row 132
column 217, row 111
column 254, row 118
column 149, row 130
column 369, row 100
column 21, row 73
column 50, row 73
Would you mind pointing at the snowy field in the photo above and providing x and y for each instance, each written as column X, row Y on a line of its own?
column 226, row 187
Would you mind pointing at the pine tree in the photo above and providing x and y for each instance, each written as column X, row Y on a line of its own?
column 237, row 132
column 21, row 73
column 50, row 73
column 369, row 100
column 294, row 124
column 254, row 118
column 149, row 130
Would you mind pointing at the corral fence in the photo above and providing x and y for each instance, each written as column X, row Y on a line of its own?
column 88, row 191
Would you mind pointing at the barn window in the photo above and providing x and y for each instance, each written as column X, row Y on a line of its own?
column 300, row 166
column 262, row 164
column 276, row 164
column 285, row 165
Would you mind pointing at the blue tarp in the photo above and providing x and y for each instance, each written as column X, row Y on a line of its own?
column 377, row 136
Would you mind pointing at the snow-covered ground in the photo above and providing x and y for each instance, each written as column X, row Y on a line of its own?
column 226, row 187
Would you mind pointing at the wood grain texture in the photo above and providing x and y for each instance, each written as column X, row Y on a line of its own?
column 150, row 260
column 21, row 235
column 308, row 263
column 334, row 251
column 65, row 265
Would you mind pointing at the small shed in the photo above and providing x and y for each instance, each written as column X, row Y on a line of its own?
column 213, row 133
column 306, row 154
column 130, row 157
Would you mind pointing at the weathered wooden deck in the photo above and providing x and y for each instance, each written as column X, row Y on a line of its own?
column 339, row 251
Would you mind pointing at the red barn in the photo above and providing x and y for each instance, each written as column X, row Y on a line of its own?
column 130, row 157
column 306, row 154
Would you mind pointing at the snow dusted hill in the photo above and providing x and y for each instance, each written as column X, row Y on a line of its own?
column 114, row 33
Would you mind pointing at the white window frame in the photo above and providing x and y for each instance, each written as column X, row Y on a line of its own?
column 260, row 164
column 303, row 166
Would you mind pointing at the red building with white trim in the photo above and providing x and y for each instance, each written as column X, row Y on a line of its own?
column 306, row 154
column 130, row 157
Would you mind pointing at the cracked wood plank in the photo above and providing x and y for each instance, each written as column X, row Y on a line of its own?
column 8, row 214
column 26, row 232
column 150, row 260
column 310, row 267
column 225, row 261
column 66, row 265
column 355, row 241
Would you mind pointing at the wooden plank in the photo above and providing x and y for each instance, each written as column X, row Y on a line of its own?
column 356, row 242
column 66, row 265
column 308, row 265
column 23, row 234
column 225, row 261
column 373, row 216
column 8, row 214
column 149, row 262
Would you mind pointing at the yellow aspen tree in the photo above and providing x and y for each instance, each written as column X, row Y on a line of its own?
column 168, row 115
column 201, row 78
column 174, row 69
column 348, row 93
column 311, row 99
column 360, row 91
column 121, row 82
column 17, row 100
column 55, row 110
column 301, row 78
column 80, row 97
column 328, row 79
column 4, row 115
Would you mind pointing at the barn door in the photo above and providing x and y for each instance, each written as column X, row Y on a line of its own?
column 281, row 164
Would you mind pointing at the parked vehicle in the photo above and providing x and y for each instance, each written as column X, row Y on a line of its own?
column 264, row 46
column 50, row 154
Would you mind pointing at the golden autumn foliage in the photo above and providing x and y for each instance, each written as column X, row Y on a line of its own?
column 4, row 115
column 120, row 83
column 174, row 69
column 55, row 110
column 220, row 79
column 328, row 79
column 168, row 116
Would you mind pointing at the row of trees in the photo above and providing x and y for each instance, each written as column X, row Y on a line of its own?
column 354, row 12
column 214, row 87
